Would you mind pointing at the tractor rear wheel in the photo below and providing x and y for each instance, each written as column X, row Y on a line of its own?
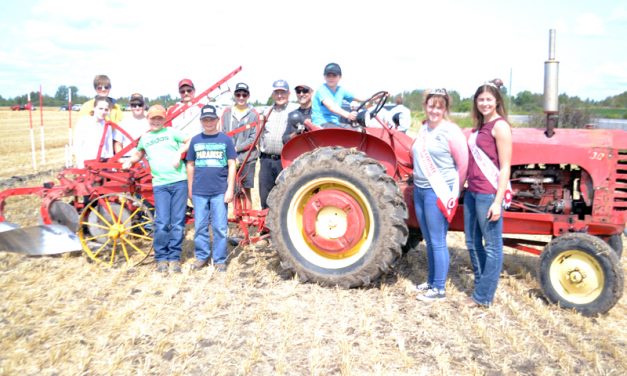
column 336, row 218
column 116, row 227
column 581, row 271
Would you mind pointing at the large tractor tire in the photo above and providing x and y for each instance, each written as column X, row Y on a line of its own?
column 336, row 218
column 581, row 271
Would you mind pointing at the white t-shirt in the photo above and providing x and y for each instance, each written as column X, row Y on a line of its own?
column 87, row 140
column 135, row 128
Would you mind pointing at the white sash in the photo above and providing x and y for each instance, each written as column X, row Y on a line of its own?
column 488, row 168
column 447, row 198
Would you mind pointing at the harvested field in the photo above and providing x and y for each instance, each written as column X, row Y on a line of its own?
column 67, row 316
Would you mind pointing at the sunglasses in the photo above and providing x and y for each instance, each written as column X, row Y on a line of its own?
column 302, row 91
column 103, row 87
column 241, row 95
column 136, row 105
column 186, row 91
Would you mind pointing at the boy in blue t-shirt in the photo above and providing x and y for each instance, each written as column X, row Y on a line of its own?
column 211, row 176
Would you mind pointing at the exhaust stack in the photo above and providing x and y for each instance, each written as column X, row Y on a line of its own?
column 551, row 98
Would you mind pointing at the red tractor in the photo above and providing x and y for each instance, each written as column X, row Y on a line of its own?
column 342, row 209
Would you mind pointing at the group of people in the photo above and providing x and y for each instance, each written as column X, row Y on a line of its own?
column 444, row 163
column 197, row 152
column 194, row 152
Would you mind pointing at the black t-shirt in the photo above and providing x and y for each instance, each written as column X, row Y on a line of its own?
column 293, row 122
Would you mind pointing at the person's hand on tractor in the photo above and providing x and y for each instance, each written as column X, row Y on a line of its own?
column 352, row 115
column 127, row 165
column 132, row 160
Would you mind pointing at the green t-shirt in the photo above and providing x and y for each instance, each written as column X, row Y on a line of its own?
column 161, row 147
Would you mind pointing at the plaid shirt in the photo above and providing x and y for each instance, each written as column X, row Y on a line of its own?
column 272, row 137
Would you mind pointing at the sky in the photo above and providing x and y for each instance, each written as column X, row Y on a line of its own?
column 390, row 45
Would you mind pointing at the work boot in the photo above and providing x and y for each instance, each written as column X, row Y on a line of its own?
column 162, row 267
column 220, row 268
column 175, row 266
column 198, row 264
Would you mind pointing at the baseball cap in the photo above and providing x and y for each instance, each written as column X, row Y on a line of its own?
column 280, row 85
column 156, row 110
column 333, row 68
column 136, row 98
column 242, row 87
column 186, row 82
column 303, row 86
column 208, row 111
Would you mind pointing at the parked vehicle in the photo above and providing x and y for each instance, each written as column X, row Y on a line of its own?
column 23, row 107
column 76, row 107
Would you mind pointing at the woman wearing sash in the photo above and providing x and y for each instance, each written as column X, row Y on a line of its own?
column 490, row 145
column 440, row 157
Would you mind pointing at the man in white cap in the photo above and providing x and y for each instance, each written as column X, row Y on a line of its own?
column 271, row 142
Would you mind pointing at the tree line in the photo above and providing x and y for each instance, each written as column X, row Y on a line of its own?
column 525, row 102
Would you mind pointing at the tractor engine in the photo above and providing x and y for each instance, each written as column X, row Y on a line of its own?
column 557, row 189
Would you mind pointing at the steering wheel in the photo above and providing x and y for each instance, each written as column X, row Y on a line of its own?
column 378, row 99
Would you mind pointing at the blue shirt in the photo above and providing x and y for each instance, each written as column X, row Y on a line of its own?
column 210, row 154
column 320, row 114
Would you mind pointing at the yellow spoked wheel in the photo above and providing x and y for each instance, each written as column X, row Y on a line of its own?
column 581, row 271
column 116, row 229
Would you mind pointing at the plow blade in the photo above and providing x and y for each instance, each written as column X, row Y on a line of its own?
column 38, row 240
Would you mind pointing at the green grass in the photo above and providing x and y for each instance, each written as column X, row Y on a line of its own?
column 609, row 113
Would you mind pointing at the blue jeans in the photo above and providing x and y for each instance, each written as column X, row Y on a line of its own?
column 486, row 259
column 170, row 205
column 214, row 208
column 434, row 227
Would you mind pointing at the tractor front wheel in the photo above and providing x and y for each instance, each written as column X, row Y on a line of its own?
column 581, row 271
column 336, row 218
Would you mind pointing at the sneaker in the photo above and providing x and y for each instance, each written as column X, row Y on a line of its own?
column 162, row 266
column 199, row 264
column 220, row 267
column 432, row 295
column 175, row 266
column 423, row 286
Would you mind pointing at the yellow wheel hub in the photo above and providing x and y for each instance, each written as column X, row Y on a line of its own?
column 577, row 277
column 116, row 230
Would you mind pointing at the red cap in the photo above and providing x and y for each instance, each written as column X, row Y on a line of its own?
column 186, row 82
